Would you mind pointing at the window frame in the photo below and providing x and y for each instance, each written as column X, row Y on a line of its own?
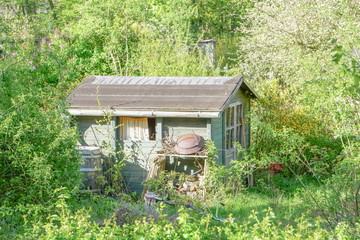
column 150, row 130
column 233, row 125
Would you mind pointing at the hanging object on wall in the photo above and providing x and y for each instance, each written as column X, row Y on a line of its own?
column 189, row 143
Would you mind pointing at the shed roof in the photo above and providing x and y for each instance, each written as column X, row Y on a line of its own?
column 151, row 95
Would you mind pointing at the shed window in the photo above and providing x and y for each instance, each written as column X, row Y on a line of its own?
column 233, row 125
column 137, row 128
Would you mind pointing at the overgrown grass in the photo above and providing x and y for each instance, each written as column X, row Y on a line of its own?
column 282, row 195
column 275, row 209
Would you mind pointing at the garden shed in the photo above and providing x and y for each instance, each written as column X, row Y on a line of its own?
column 144, row 112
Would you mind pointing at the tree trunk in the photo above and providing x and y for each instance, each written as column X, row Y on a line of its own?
column 51, row 4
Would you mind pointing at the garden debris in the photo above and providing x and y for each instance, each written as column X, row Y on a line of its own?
column 168, row 147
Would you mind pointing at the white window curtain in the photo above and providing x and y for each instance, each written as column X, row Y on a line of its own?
column 135, row 128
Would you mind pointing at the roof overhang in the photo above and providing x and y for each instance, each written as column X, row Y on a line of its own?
column 141, row 113
column 244, row 85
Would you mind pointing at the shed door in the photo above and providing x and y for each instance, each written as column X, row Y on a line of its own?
column 233, row 130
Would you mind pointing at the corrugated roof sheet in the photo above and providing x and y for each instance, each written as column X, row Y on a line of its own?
column 154, row 93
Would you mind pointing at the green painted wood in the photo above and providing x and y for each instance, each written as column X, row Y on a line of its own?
column 217, row 136
column 247, row 124
column 133, row 176
column 208, row 129
column 239, row 97
column 223, row 152
column 176, row 127
column 139, row 156
column 113, row 134
column 95, row 132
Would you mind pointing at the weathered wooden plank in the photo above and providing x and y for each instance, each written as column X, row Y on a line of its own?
column 208, row 129
column 159, row 131
column 133, row 176
column 238, row 97
column 176, row 127
column 92, row 132
column 217, row 136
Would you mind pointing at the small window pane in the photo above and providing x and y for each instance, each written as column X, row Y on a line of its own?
column 232, row 116
column 152, row 129
column 231, row 138
column 227, row 117
column 239, row 114
column 134, row 128
column 227, row 139
column 238, row 134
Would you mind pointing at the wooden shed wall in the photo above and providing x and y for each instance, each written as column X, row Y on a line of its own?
column 176, row 127
column 139, row 156
column 217, row 136
column 93, row 132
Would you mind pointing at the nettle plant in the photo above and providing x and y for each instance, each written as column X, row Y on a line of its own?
column 37, row 143
column 37, row 152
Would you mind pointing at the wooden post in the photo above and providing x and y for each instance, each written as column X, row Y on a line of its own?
column 208, row 129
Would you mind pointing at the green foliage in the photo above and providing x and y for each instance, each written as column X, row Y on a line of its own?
column 66, row 224
column 171, row 57
column 336, row 200
column 37, row 144
column 37, row 153
column 222, row 180
column 137, row 38
column 304, row 117
column 291, row 41
column 221, row 17
column 307, row 119
column 289, row 132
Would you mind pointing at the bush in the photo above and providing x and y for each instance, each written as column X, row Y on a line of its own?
column 37, row 144
column 37, row 153
column 288, row 132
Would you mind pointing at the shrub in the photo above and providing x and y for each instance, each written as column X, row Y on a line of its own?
column 37, row 153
